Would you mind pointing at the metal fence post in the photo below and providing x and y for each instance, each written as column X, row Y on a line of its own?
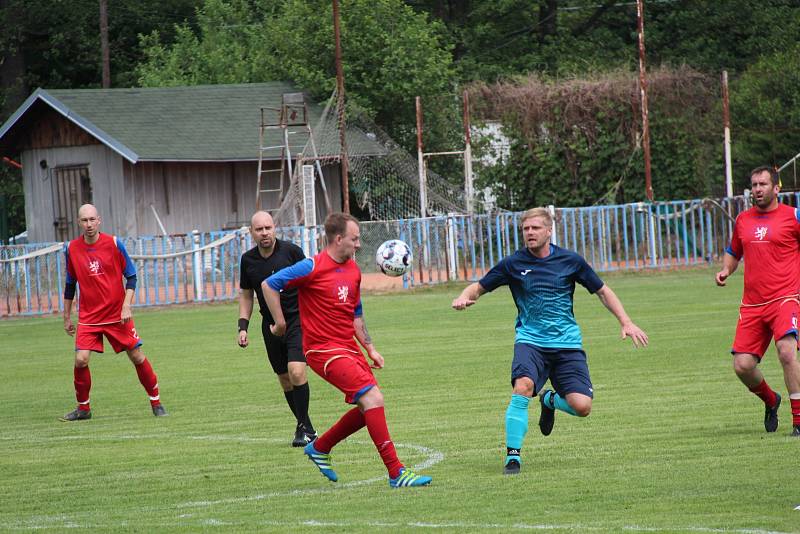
column 451, row 247
column 197, row 266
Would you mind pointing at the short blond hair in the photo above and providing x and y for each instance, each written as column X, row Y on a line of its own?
column 543, row 213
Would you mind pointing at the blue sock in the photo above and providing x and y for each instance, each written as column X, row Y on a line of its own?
column 516, row 423
column 556, row 401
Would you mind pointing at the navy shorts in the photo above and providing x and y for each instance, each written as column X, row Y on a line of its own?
column 566, row 369
column 282, row 350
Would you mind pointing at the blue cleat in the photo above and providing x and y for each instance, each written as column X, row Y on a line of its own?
column 408, row 478
column 322, row 460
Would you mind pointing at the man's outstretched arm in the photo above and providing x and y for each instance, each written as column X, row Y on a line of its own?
column 614, row 305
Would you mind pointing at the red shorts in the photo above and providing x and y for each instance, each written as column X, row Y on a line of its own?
column 758, row 325
column 349, row 373
column 122, row 336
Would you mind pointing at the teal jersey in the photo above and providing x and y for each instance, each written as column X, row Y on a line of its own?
column 543, row 290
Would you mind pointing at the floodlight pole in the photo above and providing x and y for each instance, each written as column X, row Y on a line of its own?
column 726, row 119
column 340, row 109
column 468, row 186
column 648, row 181
column 421, row 161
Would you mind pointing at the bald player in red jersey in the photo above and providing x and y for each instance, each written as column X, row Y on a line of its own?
column 767, row 236
column 98, row 263
column 331, row 317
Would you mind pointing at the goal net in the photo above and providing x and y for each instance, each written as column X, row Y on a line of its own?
column 383, row 177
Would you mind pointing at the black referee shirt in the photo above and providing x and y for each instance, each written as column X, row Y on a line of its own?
column 254, row 269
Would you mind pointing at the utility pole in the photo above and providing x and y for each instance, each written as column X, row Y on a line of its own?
column 648, row 181
column 106, row 54
column 468, row 186
column 423, row 201
column 726, row 119
column 340, row 109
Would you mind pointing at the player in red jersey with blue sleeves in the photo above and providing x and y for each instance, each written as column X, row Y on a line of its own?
column 98, row 263
column 331, row 317
column 767, row 236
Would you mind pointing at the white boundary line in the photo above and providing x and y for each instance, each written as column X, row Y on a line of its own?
column 433, row 457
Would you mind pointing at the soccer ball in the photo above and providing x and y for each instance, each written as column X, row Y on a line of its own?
column 394, row 258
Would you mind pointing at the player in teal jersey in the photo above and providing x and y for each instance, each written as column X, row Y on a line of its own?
column 548, row 343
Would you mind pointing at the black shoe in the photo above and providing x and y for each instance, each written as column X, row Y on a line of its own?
column 771, row 415
column 303, row 436
column 76, row 415
column 159, row 410
column 512, row 467
column 548, row 416
column 796, row 432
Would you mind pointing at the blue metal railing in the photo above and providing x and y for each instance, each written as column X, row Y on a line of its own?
column 204, row 267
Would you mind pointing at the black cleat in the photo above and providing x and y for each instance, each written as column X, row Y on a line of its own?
column 76, row 415
column 796, row 432
column 159, row 410
column 303, row 436
column 548, row 416
column 771, row 415
column 512, row 467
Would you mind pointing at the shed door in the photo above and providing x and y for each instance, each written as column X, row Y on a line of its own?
column 73, row 189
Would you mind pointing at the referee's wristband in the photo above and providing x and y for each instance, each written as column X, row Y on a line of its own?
column 243, row 324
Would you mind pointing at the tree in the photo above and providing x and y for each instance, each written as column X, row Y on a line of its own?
column 391, row 54
column 765, row 114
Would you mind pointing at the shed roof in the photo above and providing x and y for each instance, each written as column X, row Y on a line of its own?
column 195, row 123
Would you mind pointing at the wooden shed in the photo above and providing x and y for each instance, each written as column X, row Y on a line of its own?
column 152, row 160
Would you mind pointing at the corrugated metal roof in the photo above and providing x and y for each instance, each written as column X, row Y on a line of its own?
column 197, row 123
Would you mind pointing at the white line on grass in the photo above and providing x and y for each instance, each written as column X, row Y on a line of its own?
column 315, row 523
column 433, row 458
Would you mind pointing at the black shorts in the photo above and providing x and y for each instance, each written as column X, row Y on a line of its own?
column 282, row 350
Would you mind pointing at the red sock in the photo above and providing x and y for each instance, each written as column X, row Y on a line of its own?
column 795, row 411
column 350, row 423
column 83, row 383
column 149, row 380
column 765, row 393
column 379, row 432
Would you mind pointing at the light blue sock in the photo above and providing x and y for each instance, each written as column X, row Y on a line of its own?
column 516, row 421
column 556, row 401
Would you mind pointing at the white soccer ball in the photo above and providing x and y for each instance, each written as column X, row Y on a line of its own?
column 394, row 258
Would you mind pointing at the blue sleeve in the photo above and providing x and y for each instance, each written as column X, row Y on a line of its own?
column 359, row 311
column 730, row 251
column 300, row 269
column 496, row 277
column 71, row 284
column 586, row 276
column 130, row 268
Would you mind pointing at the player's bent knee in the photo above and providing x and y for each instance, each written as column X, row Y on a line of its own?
column 82, row 358
column 744, row 364
column 583, row 410
column 524, row 386
column 582, row 404
column 372, row 398
column 297, row 374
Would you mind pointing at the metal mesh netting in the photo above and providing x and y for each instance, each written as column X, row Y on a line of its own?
column 383, row 177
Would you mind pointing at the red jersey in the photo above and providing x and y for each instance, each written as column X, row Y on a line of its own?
column 99, row 269
column 329, row 298
column 770, row 244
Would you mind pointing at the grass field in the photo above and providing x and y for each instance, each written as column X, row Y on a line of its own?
column 675, row 443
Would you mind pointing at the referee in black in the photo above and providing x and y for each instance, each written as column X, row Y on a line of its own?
column 285, row 353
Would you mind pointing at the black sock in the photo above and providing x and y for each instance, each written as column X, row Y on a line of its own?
column 290, row 401
column 512, row 452
column 302, row 395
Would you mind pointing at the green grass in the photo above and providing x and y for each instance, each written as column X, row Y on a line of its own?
column 675, row 443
